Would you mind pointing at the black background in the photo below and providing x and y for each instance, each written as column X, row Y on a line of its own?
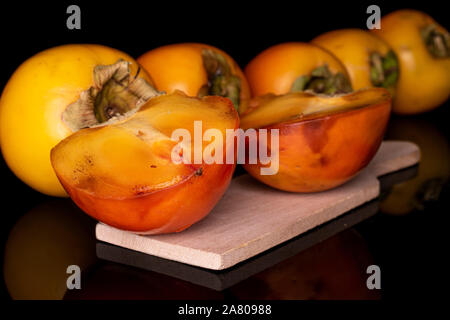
column 243, row 29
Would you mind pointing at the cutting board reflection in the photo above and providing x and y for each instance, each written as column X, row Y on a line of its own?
column 252, row 218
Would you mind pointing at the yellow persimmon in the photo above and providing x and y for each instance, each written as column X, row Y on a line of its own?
column 423, row 50
column 369, row 61
column 33, row 101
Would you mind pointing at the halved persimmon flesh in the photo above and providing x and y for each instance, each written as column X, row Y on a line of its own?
column 324, row 141
column 122, row 172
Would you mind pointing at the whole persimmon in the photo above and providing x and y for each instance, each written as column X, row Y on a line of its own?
column 370, row 62
column 197, row 70
column 423, row 50
column 296, row 66
column 34, row 100
column 129, row 173
column 324, row 141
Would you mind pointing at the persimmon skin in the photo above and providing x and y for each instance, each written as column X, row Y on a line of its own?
column 324, row 152
column 275, row 69
column 424, row 81
column 180, row 67
column 353, row 47
column 170, row 210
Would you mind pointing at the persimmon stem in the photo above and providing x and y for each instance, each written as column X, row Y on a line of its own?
column 383, row 69
column 436, row 41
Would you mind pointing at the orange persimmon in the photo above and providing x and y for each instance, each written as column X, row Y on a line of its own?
column 197, row 70
column 296, row 66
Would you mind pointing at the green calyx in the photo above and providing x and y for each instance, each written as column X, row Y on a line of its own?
column 383, row 69
column 437, row 42
column 221, row 81
column 322, row 80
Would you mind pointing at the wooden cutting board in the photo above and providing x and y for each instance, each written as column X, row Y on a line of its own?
column 223, row 279
column 252, row 217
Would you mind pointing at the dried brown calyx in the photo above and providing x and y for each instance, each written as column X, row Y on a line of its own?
column 436, row 41
column 322, row 80
column 221, row 80
column 114, row 93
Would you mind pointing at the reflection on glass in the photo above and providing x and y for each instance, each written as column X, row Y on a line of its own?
column 333, row 269
column 223, row 279
column 434, row 166
column 40, row 247
column 111, row 281
column 56, row 234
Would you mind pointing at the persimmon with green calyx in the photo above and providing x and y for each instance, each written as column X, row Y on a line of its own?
column 422, row 47
column 324, row 141
column 197, row 70
column 221, row 81
column 122, row 171
column 296, row 66
column 370, row 61
column 35, row 101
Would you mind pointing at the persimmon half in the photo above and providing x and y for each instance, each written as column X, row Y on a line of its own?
column 122, row 171
column 369, row 61
column 296, row 66
column 423, row 50
column 324, row 141
column 196, row 69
